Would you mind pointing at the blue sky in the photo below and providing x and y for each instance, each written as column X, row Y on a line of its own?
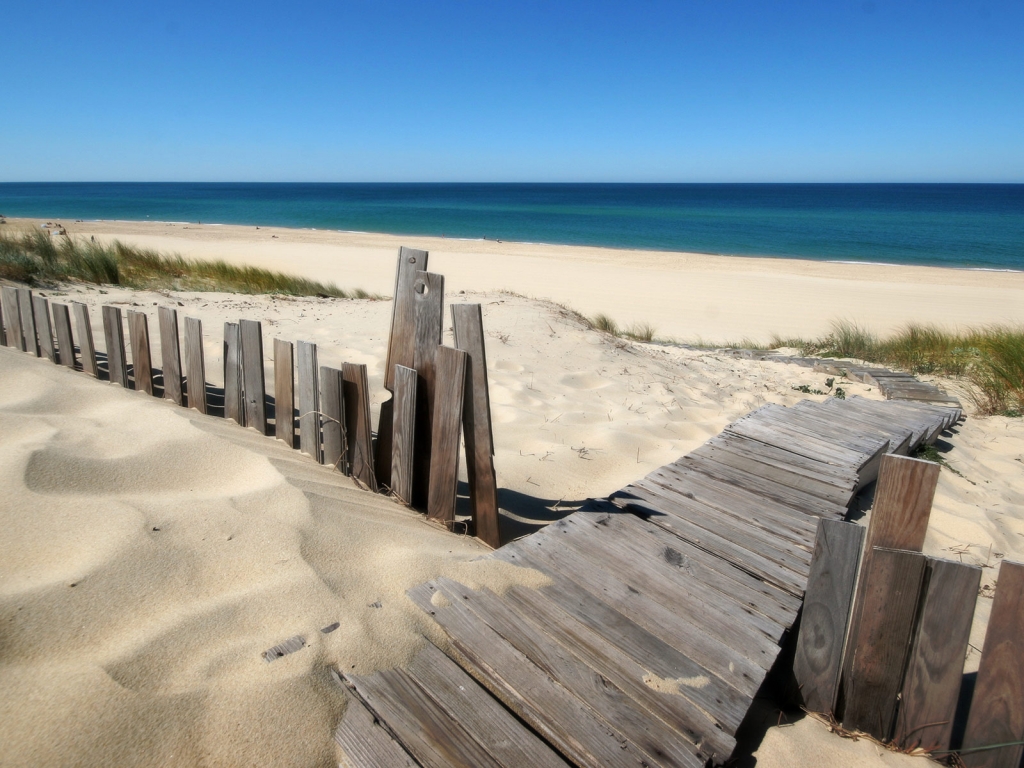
column 431, row 90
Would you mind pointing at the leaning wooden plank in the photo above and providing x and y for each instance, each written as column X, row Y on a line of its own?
column 12, row 318
column 284, row 392
column 3, row 322
column 113, row 335
column 85, row 342
column 997, row 709
column 44, row 329
column 28, row 321
column 332, row 419
column 932, row 683
column 254, row 387
column 309, row 399
column 234, row 402
column 467, row 322
column 878, row 650
column 65, row 340
column 195, row 373
column 365, row 742
column 826, row 613
column 404, row 431
column 359, row 436
column 170, row 354
column 450, row 383
column 429, row 304
column 142, row 360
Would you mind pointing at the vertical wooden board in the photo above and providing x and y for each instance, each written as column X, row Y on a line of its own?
column 401, row 342
column 113, row 335
column 447, row 424
column 142, row 359
column 234, row 406
column 28, row 321
column 467, row 322
column 332, row 418
column 404, row 431
column 997, row 709
column 170, row 353
column 826, row 613
column 44, row 330
column 195, row 374
column 3, row 321
column 85, row 341
column 12, row 318
column 254, row 386
column 309, row 399
column 428, row 294
column 931, row 686
column 284, row 392
column 357, row 424
column 878, row 652
column 65, row 340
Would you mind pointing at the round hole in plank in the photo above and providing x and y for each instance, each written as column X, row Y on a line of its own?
column 412, row 259
column 421, row 288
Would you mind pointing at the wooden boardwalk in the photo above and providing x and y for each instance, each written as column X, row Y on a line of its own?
column 666, row 607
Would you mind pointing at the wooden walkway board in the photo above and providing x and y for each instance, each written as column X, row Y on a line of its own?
column 309, row 399
column 450, row 382
column 195, row 361
column 170, row 354
column 357, row 424
column 113, row 335
column 234, row 400
column 404, row 432
column 142, row 360
column 254, row 387
column 364, row 740
column 65, row 339
column 284, row 392
column 28, row 321
column 332, row 419
column 44, row 329
column 12, row 318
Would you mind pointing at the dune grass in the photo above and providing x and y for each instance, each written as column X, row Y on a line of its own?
column 36, row 257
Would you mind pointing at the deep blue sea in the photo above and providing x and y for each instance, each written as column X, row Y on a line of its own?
column 958, row 225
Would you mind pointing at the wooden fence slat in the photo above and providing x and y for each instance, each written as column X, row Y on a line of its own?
column 170, row 353
column 44, row 330
column 254, row 386
column 826, row 613
column 892, row 587
column 12, row 318
column 234, row 403
column 997, row 709
column 284, row 392
column 86, row 345
column 357, row 424
column 195, row 374
column 404, row 430
column 468, row 324
column 3, row 320
column 142, row 359
column 332, row 418
column 65, row 340
column 447, row 424
column 309, row 399
column 931, row 686
column 28, row 321
column 428, row 294
column 113, row 335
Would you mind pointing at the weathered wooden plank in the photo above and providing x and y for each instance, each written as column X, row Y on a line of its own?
column 332, row 419
column 44, row 329
column 467, row 323
column 113, row 335
column 284, row 392
column 359, row 435
column 997, row 709
column 195, row 359
column 28, row 321
column 65, row 339
column 428, row 293
column 234, row 398
column 85, row 341
column 450, row 383
column 3, row 322
column 142, row 359
column 932, row 683
column 254, row 387
column 170, row 354
column 404, row 431
column 402, row 339
column 780, row 457
column 879, row 647
column 12, row 318
column 365, row 742
column 826, row 613
column 309, row 399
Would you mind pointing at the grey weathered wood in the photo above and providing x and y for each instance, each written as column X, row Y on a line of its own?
column 879, row 647
column 3, row 322
column 284, row 392
column 113, row 335
column 65, row 339
column 291, row 645
column 429, row 305
column 195, row 361
column 932, row 683
column 359, row 434
column 401, row 341
column 234, row 403
column 44, row 329
column 450, row 384
column 28, row 321
column 12, row 318
column 826, row 613
column 467, row 322
column 332, row 419
column 997, row 709
column 254, row 386
column 309, row 399
column 142, row 359
column 85, row 341
column 404, row 430
column 170, row 353
column 366, row 743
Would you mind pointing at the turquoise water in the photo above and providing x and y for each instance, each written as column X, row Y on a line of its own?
column 957, row 225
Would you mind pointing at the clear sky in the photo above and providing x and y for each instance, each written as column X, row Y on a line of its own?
column 578, row 90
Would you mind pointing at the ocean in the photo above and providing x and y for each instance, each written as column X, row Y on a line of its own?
column 978, row 226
